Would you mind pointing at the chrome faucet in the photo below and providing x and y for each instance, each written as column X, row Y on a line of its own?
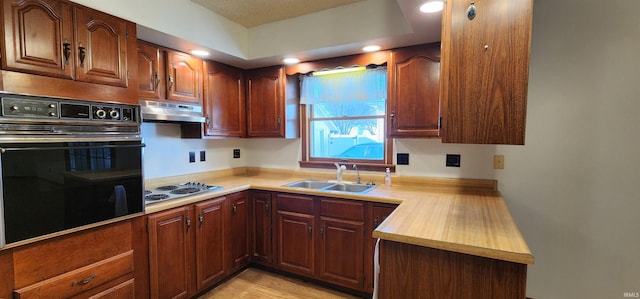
column 339, row 173
column 358, row 174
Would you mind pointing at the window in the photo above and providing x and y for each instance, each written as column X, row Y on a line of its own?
column 345, row 118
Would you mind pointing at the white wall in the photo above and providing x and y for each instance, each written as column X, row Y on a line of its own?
column 573, row 188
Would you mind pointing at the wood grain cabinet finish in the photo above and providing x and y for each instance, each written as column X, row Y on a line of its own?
column 341, row 242
column 265, row 102
column 484, row 71
column 184, row 78
column 240, row 233
column 151, row 78
column 410, row 271
column 54, row 38
column 295, row 227
column 413, row 103
column 379, row 212
column 262, row 227
column 61, row 49
column 211, row 242
column 188, row 248
column 171, row 253
column 67, row 267
column 224, row 100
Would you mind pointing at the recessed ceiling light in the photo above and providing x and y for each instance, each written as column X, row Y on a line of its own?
column 432, row 6
column 371, row 48
column 291, row 60
column 201, row 53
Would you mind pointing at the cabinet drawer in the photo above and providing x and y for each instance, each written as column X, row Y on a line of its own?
column 293, row 203
column 352, row 210
column 81, row 279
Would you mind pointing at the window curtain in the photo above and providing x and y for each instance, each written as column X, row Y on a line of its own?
column 365, row 85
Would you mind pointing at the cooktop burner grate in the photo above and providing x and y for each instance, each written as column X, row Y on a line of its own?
column 169, row 192
column 187, row 190
column 167, row 188
column 156, row 196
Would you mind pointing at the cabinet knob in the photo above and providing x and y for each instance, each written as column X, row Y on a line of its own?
column 188, row 221
column 82, row 54
column 392, row 117
column 170, row 82
column 266, row 206
column 234, row 209
column 200, row 219
column 310, row 228
column 66, row 45
column 84, row 281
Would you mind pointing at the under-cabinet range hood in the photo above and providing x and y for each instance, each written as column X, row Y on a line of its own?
column 170, row 112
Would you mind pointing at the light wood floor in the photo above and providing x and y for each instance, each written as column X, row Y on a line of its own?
column 256, row 283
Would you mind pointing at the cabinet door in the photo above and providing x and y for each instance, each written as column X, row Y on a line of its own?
column 262, row 242
column 122, row 290
column 239, row 234
column 485, row 64
column 295, row 242
column 413, row 104
column 184, row 81
column 38, row 37
column 341, row 252
column 150, row 64
column 265, row 102
column 224, row 102
column 210, row 242
column 171, row 253
column 101, row 48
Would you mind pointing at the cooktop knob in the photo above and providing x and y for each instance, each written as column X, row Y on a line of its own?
column 101, row 114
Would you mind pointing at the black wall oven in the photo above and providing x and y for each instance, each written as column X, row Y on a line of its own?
column 67, row 164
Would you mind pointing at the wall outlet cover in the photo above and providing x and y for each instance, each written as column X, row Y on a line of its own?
column 203, row 156
column 236, row 153
column 453, row 160
column 192, row 157
column 402, row 158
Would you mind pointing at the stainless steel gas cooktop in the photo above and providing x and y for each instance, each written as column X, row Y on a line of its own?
column 169, row 192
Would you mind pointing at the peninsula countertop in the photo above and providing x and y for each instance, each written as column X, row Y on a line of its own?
column 459, row 215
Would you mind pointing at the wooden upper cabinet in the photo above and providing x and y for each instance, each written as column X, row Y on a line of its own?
column 224, row 102
column 413, row 103
column 38, row 38
column 150, row 81
column 485, row 63
column 265, row 102
column 101, row 47
column 184, row 78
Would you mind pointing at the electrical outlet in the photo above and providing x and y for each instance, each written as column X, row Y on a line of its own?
column 498, row 162
column 203, row 156
column 236, row 153
column 402, row 159
column 192, row 157
column 453, row 160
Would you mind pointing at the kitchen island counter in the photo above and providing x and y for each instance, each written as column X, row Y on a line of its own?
column 459, row 215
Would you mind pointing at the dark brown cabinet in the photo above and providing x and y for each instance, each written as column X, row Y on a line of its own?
column 75, row 51
column 224, row 100
column 295, row 234
column 262, row 227
column 184, row 78
column 171, row 254
column 211, row 242
column 413, row 103
column 272, row 103
column 240, row 234
column 150, row 72
column 484, row 73
column 379, row 212
column 54, row 38
column 341, row 243
column 187, row 248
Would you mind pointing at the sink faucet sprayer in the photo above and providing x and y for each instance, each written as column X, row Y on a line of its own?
column 358, row 174
column 340, row 169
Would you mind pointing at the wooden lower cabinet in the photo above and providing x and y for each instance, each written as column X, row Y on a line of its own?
column 262, row 227
column 340, row 252
column 296, row 242
column 68, row 268
column 187, row 249
column 411, row 271
column 240, row 234
column 379, row 212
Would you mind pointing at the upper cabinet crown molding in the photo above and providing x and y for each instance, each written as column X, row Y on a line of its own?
column 484, row 71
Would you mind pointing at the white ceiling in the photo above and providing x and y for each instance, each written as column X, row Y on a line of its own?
column 343, row 28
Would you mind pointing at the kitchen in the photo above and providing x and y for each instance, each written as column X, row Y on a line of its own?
column 570, row 190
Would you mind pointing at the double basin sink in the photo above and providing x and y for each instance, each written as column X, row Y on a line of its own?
column 331, row 186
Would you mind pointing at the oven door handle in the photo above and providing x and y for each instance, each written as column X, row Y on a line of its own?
column 7, row 149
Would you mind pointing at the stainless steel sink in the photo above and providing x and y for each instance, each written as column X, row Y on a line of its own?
column 354, row 188
column 309, row 184
column 331, row 186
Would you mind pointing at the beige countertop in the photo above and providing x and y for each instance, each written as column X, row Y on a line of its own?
column 459, row 215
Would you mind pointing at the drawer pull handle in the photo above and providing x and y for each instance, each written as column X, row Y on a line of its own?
column 85, row 281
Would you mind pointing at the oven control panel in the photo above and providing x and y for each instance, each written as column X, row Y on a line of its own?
column 18, row 106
